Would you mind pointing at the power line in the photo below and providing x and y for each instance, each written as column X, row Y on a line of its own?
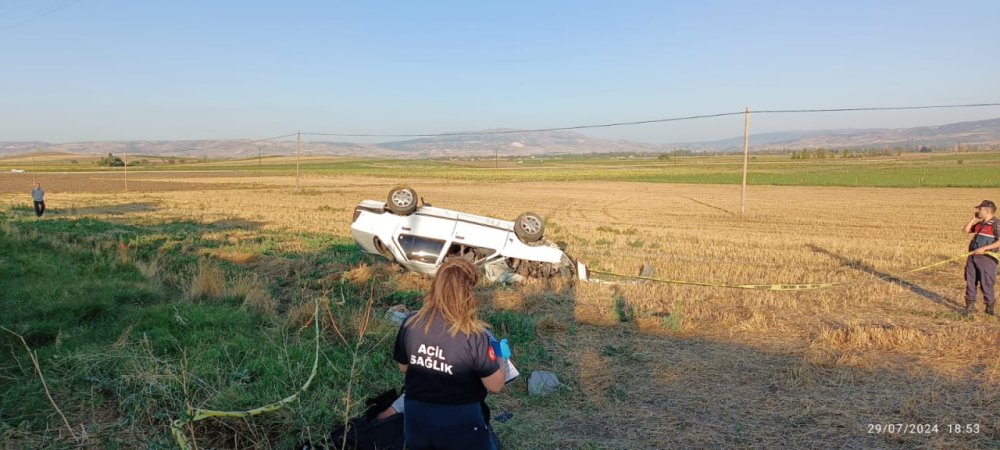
column 41, row 15
column 272, row 138
column 576, row 127
column 871, row 108
column 644, row 122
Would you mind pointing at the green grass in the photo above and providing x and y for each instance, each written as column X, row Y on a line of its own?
column 116, row 346
column 908, row 170
column 124, row 352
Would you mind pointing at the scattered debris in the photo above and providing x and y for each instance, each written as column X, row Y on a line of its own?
column 500, row 272
column 398, row 314
column 543, row 383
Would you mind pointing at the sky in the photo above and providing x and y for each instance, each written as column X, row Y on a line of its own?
column 84, row 70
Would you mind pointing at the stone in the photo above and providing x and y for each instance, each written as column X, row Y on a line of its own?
column 398, row 314
column 543, row 383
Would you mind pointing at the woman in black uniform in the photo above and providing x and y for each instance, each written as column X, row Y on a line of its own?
column 449, row 365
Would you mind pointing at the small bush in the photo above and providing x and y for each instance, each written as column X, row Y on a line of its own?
column 208, row 282
column 254, row 293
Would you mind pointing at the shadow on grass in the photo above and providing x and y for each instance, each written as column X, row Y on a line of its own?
column 636, row 382
column 709, row 205
column 111, row 210
column 890, row 278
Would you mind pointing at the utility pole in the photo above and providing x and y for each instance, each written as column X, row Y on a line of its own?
column 298, row 149
column 258, row 156
column 125, row 161
column 746, row 160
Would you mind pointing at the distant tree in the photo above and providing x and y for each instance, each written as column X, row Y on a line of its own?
column 111, row 161
column 73, row 161
column 925, row 149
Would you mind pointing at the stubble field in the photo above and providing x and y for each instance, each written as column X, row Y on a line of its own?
column 647, row 365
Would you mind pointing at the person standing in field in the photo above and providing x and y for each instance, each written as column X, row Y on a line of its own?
column 38, row 196
column 449, row 366
column 981, row 268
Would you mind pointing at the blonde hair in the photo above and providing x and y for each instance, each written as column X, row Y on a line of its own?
column 451, row 296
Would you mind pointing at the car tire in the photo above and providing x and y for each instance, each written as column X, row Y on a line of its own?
column 402, row 200
column 529, row 227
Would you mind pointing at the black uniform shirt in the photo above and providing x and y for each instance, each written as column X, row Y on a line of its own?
column 444, row 369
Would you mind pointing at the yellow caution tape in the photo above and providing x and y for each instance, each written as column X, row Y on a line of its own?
column 771, row 287
column 194, row 415
column 779, row 287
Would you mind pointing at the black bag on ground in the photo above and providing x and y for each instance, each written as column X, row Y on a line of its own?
column 366, row 432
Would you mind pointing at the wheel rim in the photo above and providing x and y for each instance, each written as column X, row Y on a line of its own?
column 531, row 225
column 402, row 198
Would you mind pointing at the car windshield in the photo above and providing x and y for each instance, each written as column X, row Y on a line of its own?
column 421, row 249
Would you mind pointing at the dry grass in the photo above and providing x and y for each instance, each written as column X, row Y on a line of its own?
column 409, row 281
column 254, row 293
column 693, row 366
column 209, row 281
column 235, row 256
column 121, row 253
column 149, row 268
column 361, row 274
column 300, row 316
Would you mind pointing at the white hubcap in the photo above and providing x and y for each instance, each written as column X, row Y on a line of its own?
column 402, row 198
column 531, row 225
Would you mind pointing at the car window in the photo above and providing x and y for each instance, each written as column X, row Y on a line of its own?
column 421, row 249
column 474, row 254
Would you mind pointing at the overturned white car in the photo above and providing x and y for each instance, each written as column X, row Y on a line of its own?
column 421, row 237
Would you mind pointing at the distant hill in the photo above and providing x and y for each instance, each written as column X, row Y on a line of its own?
column 196, row 148
column 983, row 132
column 978, row 132
column 548, row 142
column 446, row 146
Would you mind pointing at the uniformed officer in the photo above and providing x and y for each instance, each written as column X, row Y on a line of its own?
column 981, row 267
column 449, row 365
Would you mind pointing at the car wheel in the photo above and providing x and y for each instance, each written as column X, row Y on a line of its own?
column 402, row 200
column 529, row 227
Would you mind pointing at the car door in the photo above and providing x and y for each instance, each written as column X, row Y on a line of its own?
column 423, row 239
column 485, row 241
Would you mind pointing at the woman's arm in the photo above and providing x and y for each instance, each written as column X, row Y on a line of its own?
column 494, row 383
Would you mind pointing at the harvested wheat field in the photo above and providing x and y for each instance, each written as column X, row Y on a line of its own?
column 647, row 365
